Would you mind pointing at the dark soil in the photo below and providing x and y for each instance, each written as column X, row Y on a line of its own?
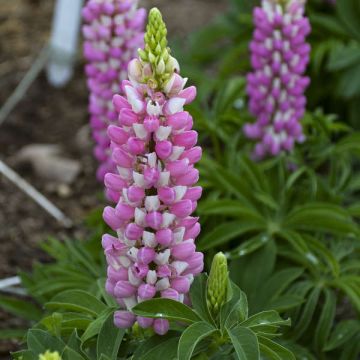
column 53, row 116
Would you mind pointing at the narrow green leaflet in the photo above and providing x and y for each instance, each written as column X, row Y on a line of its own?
column 7, row 334
column 269, row 317
column 39, row 341
column 321, row 217
column 326, row 320
column 158, row 347
column 109, row 339
column 95, row 326
column 245, row 343
column 77, row 300
column 235, row 310
column 192, row 336
column 249, row 246
column 70, row 354
column 233, row 208
column 343, row 332
column 307, row 313
column 273, row 350
column 224, row 233
column 198, row 297
column 21, row 308
column 167, row 309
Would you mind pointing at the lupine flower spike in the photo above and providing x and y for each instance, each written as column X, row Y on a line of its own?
column 48, row 355
column 279, row 56
column 217, row 283
column 154, row 149
column 113, row 32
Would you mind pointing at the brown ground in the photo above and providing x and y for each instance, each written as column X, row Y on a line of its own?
column 48, row 115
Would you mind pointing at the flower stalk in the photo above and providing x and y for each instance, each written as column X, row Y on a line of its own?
column 154, row 148
column 113, row 32
column 276, row 86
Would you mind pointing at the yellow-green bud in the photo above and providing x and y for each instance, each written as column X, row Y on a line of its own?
column 156, row 52
column 217, row 283
column 48, row 355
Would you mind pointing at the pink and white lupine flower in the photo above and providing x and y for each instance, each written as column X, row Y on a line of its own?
column 279, row 56
column 154, row 149
column 113, row 32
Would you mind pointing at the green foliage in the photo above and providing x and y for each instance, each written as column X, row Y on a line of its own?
column 289, row 226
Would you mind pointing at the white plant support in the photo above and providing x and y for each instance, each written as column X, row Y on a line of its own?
column 8, row 286
column 64, row 41
column 39, row 198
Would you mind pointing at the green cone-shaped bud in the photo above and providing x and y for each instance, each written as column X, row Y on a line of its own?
column 217, row 283
column 48, row 355
column 156, row 52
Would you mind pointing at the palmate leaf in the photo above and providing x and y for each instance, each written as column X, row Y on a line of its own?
column 321, row 217
column 349, row 12
column 249, row 246
column 224, row 233
column 233, row 208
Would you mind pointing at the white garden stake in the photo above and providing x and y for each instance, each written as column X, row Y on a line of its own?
column 64, row 41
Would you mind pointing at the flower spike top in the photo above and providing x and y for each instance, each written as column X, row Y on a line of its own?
column 217, row 285
column 48, row 355
column 113, row 32
column 154, row 148
column 276, row 86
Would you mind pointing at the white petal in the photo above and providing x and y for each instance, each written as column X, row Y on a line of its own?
column 190, row 278
column 130, row 302
column 153, row 108
column 124, row 173
column 179, row 266
column 163, row 132
column 140, row 131
column 162, row 284
column 149, row 239
column 176, row 152
column 132, row 253
column 134, row 100
column 164, row 178
column 125, row 261
column 181, row 298
column 175, row 105
column 179, row 235
column 151, row 277
column 133, row 280
column 180, row 192
column 140, row 217
column 152, row 203
column 167, row 219
column 163, row 257
column 138, row 179
column 152, row 158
